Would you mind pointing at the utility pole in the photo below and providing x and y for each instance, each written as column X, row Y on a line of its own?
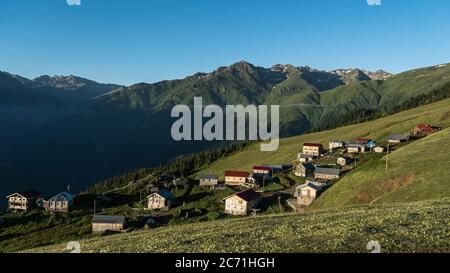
column 95, row 204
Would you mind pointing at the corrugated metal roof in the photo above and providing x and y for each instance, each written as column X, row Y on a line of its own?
column 236, row 174
column 262, row 168
column 208, row 176
column 164, row 193
column 313, row 145
column 356, row 146
column 362, row 140
column 308, row 166
column 327, row 171
column 63, row 196
column 248, row 195
column 108, row 219
column 310, row 185
column 398, row 137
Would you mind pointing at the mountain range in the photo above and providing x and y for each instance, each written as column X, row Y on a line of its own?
column 69, row 130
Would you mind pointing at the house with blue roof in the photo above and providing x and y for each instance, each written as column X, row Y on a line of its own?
column 162, row 200
column 62, row 202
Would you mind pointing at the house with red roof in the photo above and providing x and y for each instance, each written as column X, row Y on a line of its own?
column 361, row 140
column 425, row 130
column 315, row 149
column 262, row 170
column 241, row 203
column 262, row 173
column 236, row 178
column 23, row 201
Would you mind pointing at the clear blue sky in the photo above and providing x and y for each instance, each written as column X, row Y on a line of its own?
column 130, row 41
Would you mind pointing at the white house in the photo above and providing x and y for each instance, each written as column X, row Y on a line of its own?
column 335, row 144
column 241, row 203
column 305, row 158
column 103, row 223
column 236, row 178
column 23, row 201
column 397, row 138
column 344, row 161
column 356, row 148
column 61, row 202
column 304, row 169
column 307, row 193
column 163, row 200
column 208, row 180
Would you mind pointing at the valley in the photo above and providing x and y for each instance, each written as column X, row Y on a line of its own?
column 94, row 131
column 411, row 188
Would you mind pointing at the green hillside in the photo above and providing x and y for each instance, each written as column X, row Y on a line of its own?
column 418, row 171
column 423, row 162
column 396, row 208
column 129, row 128
column 398, row 228
column 306, row 96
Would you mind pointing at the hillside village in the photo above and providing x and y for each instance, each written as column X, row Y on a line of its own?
column 292, row 186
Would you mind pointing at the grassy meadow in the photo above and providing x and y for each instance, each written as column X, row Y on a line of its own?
column 422, row 163
column 414, row 227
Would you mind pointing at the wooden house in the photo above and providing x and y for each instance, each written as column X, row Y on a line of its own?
column 304, row 169
column 344, row 161
column 327, row 173
column 336, row 144
column 314, row 149
column 208, row 180
column 61, row 202
column 361, row 140
column 305, row 158
column 356, row 148
column 23, row 201
column 367, row 142
column 104, row 223
column 397, row 138
column 236, row 178
column 262, row 173
column 264, row 170
column 162, row 200
column 307, row 193
column 241, row 203
column 425, row 130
